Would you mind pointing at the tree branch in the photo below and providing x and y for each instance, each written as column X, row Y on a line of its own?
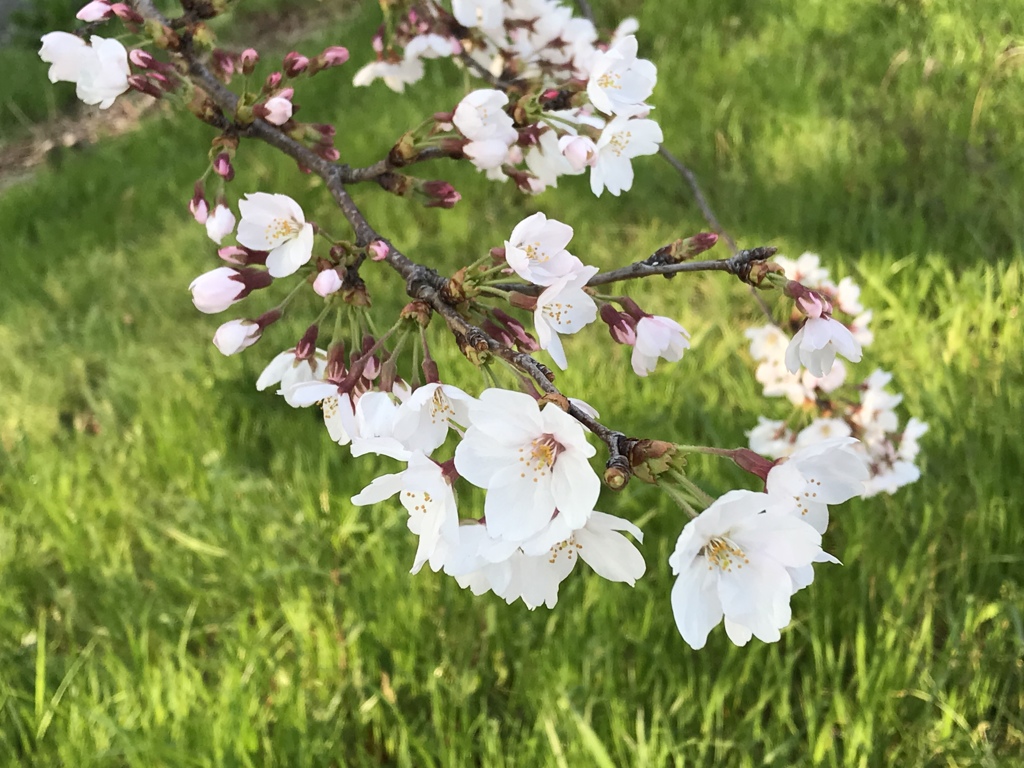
column 421, row 282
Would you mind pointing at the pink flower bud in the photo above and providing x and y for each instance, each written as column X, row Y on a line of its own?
column 220, row 223
column 224, row 63
column 327, row 282
column 233, row 254
column 440, row 194
column 273, row 81
column 141, row 59
column 295, row 64
column 621, row 326
column 379, row 250
column 125, row 12
column 247, row 60
column 198, row 206
column 215, row 291
column 142, row 84
column 334, row 56
column 98, row 10
column 580, row 151
column 306, row 347
column 276, row 111
column 222, row 166
column 328, row 153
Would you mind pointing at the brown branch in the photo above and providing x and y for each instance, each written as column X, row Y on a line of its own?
column 739, row 264
column 421, row 282
column 698, row 195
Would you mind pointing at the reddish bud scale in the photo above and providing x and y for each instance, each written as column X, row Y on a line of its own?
column 631, row 308
column 306, row 347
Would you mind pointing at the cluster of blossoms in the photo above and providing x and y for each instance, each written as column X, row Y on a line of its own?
column 583, row 104
column 578, row 104
column 821, row 393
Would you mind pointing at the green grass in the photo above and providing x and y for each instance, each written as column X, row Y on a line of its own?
column 186, row 584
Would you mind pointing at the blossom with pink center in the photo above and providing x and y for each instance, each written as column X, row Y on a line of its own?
column 531, row 461
column 275, row 223
column 657, row 337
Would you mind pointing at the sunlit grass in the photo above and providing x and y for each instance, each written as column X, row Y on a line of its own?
column 185, row 582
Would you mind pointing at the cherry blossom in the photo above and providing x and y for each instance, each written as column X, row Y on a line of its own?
column 622, row 140
column 488, row 14
column 395, row 74
column 530, row 460
column 480, row 116
column 427, row 495
column 98, row 68
column 563, row 308
column 275, row 223
column 534, row 571
column 732, row 562
column 423, row 420
column 771, row 438
column 657, row 337
column 289, row 369
column 536, row 250
column 579, row 151
column 339, row 408
column 619, row 81
column 95, row 11
column 817, row 343
column 828, row 472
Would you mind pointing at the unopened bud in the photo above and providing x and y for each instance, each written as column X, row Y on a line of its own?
column 378, row 250
column 327, row 282
column 440, row 194
column 333, row 56
column 125, row 12
column 141, row 59
column 522, row 301
column 295, row 64
column 247, row 60
column 98, row 10
column 273, row 81
column 621, row 326
column 222, row 166
column 142, row 84
column 306, row 347
column 224, row 64
column 404, row 151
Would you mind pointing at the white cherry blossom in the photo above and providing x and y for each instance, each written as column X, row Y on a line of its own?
column 771, row 438
column 622, row 140
column 815, row 476
column 98, row 68
column 530, row 461
column 430, row 46
column 733, row 562
column 619, row 81
column 534, row 571
column 287, row 370
column 487, row 14
column 423, row 420
column 536, row 250
column 275, row 223
column 480, row 117
column 563, row 308
column 820, row 430
column 657, row 337
column 817, row 343
column 395, row 74
column 339, row 408
column 428, row 497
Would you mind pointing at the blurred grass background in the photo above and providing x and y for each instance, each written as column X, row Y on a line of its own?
column 185, row 583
